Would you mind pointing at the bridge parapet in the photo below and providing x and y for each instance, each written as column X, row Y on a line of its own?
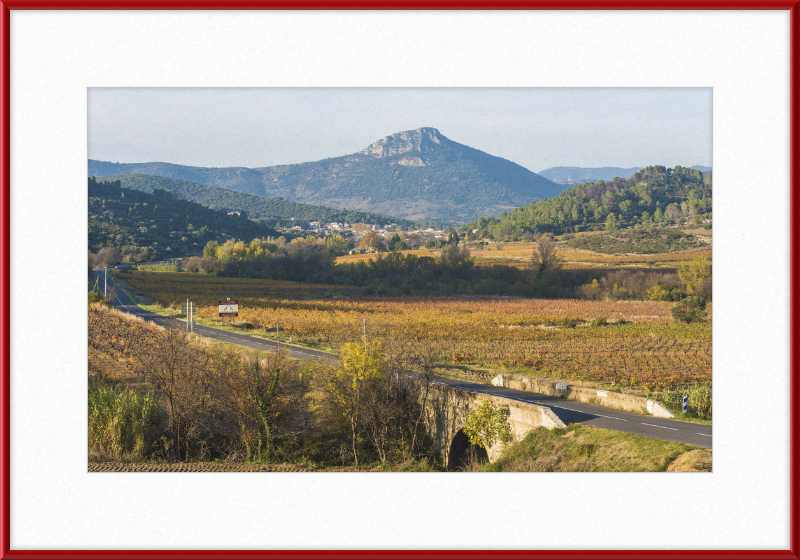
column 447, row 411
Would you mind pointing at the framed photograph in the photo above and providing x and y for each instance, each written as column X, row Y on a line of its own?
column 541, row 84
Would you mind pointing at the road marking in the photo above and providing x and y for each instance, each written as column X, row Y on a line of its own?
column 612, row 417
column 655, row 426
column 699, row 434
column 562, row 408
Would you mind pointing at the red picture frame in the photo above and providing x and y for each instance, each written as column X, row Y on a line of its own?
column 5, row 484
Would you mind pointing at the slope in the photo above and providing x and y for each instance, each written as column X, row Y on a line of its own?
column 154, row 226
column 652, row 196
column 271, row 210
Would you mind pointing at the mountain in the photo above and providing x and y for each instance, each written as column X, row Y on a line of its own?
column 268, row 209
column 412, row 174
column 152, row 226
column 579, row 175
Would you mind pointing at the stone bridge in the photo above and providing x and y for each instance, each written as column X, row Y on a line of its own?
column 446, row 415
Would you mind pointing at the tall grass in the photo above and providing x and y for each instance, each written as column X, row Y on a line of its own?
column 698, row 405
column 123, row 424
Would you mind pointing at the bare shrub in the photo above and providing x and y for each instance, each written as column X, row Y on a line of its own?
column 106, row 256
column 546, row 260
column 178, row 371
column 260, row 394
column 198, row 264
column 703, row 288
column 381, row 400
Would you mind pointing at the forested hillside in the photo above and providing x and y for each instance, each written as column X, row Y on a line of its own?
column 415, row 174
column 654, row 195
column 272, row 211
column 145, row 226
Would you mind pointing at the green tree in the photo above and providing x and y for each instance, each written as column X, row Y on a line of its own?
column 337, row 245
column 690, row 310
column 453, row 239
column 210, row 250
column 396, row 243
column 344, row 384
column 487, row 424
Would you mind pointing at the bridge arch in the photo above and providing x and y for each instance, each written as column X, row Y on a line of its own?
column 462, row 451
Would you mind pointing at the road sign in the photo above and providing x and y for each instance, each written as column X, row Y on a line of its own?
column 685, row 404
column 190, row 309
column 187, row 309
column 229, row 308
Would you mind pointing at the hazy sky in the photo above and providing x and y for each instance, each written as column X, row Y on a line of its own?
column 537, row 128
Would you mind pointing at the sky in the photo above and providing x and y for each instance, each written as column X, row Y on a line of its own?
column 537, row 128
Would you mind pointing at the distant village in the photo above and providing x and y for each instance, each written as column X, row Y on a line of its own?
column 353, row 233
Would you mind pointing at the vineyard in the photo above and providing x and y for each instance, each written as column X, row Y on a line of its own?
column 519, row 254
column 640, row 348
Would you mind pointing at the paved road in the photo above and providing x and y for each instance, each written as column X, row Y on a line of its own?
column 568, row 411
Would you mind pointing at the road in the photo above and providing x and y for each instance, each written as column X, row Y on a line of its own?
column 569, row 411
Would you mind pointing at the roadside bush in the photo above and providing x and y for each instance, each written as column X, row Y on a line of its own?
column 123, row 424
column 260, row 396
column 97, row 298
column 374, row 405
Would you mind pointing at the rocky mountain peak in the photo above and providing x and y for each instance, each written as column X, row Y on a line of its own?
column 425, row 139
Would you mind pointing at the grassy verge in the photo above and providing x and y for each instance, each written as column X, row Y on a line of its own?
column 211, row 323
column 121, row 286
column 580, row 448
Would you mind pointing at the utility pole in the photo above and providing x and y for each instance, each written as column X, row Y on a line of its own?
column 105, row 282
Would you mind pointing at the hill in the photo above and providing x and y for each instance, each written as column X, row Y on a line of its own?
column 155, row 226
column 640, row 240
column 414, row 174
column 577, row 175
column 271, row 210
column 654, row 195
